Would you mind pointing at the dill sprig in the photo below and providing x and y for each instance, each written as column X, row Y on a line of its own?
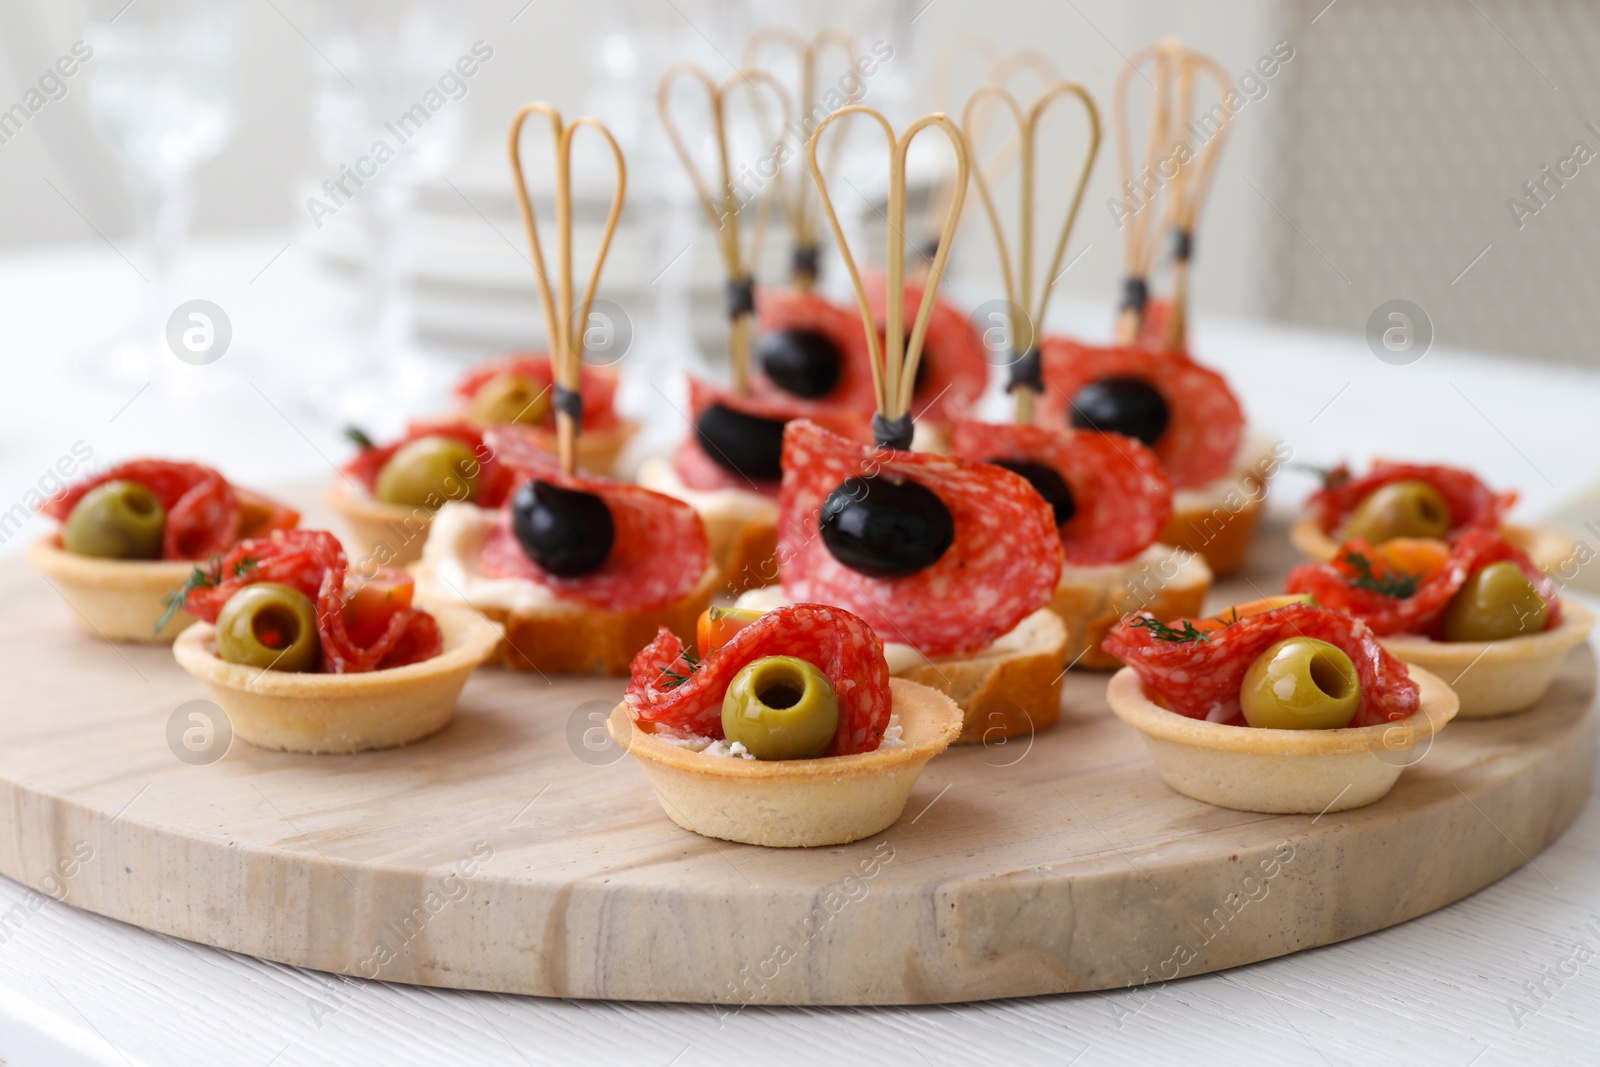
column 1399, row 585
column 1331, row 477
column 1162, row 632
column 674, row 679
column 359, row 438
column 208, row 577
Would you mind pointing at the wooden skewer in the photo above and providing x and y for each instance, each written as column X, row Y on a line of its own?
column 1141, row 234
column 1190, row 186
column 566, row 351
column 797, row 205
column 1002, row 69
column 722, row 212
column 894, row 373
column 1027, row 314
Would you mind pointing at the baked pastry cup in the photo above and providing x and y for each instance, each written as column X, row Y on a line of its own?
column 1546, row 546
column 341, row 713
column 1010, row 689
column 795, row 803
column 1167, row 581
column 374, row 530
column 1281, row 772
column 118, row 599
column 1494, row 678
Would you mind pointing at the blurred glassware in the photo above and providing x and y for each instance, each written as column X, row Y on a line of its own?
column 163, row 94
column 377, row 62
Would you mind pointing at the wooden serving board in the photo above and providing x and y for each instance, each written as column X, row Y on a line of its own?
column 516, row 851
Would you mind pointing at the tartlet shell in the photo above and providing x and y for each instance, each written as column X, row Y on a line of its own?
column 393, row 534
column 1546, row 546
column 115, row 598
column 340, row 713
column 795, row 803
column 1280, row 771
column 1494, row 678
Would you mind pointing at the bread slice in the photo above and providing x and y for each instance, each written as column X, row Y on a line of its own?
column 567, row 638
column 1169, row 582
column 1010, row 689
column 741, row 526
column 1219, row 520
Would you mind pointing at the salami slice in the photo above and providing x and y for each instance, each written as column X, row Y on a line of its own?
column 1201, row 679
column 790, row 309
column 666, row 688
column 1120, row 493
column 701, row 471
column 1471, row 502
column 1002, row 566
column 659, row 556
column 954, row 371
column 1205, row 422
column 202, row 508
column 1423, row 611
column 312, row 562
column 597, row 385
column 494, row 477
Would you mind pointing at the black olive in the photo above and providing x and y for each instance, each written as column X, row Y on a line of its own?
column 1129, row 406
column 885, row 528
column 803, row 362
column 744, row 444
column 566, row 531
column 1048, row 482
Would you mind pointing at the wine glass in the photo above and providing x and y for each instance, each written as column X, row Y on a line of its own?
column 163, row 94
column 377, row 77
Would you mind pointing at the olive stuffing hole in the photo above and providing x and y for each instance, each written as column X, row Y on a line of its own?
column 1327, row 676
column 275, row 627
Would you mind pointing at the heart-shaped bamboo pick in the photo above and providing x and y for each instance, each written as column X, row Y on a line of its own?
column 1002, row 68
column 894, row 364
column 722, row 209
column 564, row 324
column 1027, row 310
column 1174, row 172
column 797, row 199
column 1192, row 183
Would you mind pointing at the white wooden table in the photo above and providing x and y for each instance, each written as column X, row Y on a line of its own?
column 1469, row 984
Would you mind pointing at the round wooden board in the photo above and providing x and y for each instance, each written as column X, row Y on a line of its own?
column 506, row 854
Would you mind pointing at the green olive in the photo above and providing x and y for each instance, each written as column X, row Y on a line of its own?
column 510, row 398
column 429, row 471
column 269, row 625
column 1496, row 602
column 1301, row 684
column 781, row 707
column 117, row 520
column 1399, row 509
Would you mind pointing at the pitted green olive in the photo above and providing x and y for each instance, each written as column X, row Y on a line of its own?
column 1496, row 602
column 117, row 520
column 780, row 707
column 428, row 472
column 1301, row 684
column 1399, row 509
column 510, row 398
column 269, row 625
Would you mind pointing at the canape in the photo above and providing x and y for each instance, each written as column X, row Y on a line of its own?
column 788, row 733
column 519, row 389
column 1476, row 611
column 1294, row 709
column 132, row 534
column 1414, row 500
column 388, row 494
column 304, row 656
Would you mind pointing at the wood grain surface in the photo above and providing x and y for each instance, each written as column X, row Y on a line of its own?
column 514, row 852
